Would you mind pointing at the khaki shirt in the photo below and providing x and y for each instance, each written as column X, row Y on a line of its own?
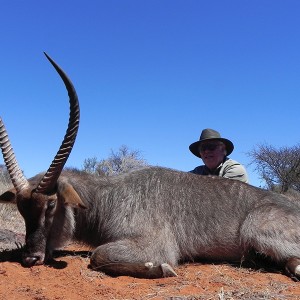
column 228, row 169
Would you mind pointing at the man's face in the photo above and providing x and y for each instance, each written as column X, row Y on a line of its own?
column 212, row 153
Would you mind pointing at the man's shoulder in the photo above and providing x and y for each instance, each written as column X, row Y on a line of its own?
column 234, row 170
column 231, row 162
column 198, row 170
column 232, row 165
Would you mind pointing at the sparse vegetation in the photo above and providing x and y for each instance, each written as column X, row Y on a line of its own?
column 122, row 161
column 278, row 167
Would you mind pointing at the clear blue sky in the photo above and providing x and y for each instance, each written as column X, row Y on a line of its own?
column 150, row 75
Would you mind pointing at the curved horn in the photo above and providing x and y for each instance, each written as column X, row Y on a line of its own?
column 16, row 175
column 49, row 180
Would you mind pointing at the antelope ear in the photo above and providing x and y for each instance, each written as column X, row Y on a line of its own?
column 67, row 193
column 9, row 196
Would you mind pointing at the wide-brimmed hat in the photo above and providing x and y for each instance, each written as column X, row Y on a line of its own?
column 213, row 135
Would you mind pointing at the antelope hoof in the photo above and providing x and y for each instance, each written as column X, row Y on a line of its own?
column 297, row 271
column 167, row 270
column 293, row 268
column 149, row 265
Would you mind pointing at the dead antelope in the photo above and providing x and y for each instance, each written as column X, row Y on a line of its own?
column 145, row 222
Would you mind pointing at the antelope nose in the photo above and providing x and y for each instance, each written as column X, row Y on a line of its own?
column 30, row 261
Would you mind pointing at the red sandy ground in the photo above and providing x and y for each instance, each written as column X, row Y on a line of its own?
column 70, row 278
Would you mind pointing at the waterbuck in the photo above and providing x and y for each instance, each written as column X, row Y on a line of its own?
column 145, row 222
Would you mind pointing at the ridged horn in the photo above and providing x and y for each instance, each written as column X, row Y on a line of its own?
column 16, row 175
column 49, row 180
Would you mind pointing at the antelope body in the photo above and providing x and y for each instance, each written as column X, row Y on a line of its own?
column 145, row 222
